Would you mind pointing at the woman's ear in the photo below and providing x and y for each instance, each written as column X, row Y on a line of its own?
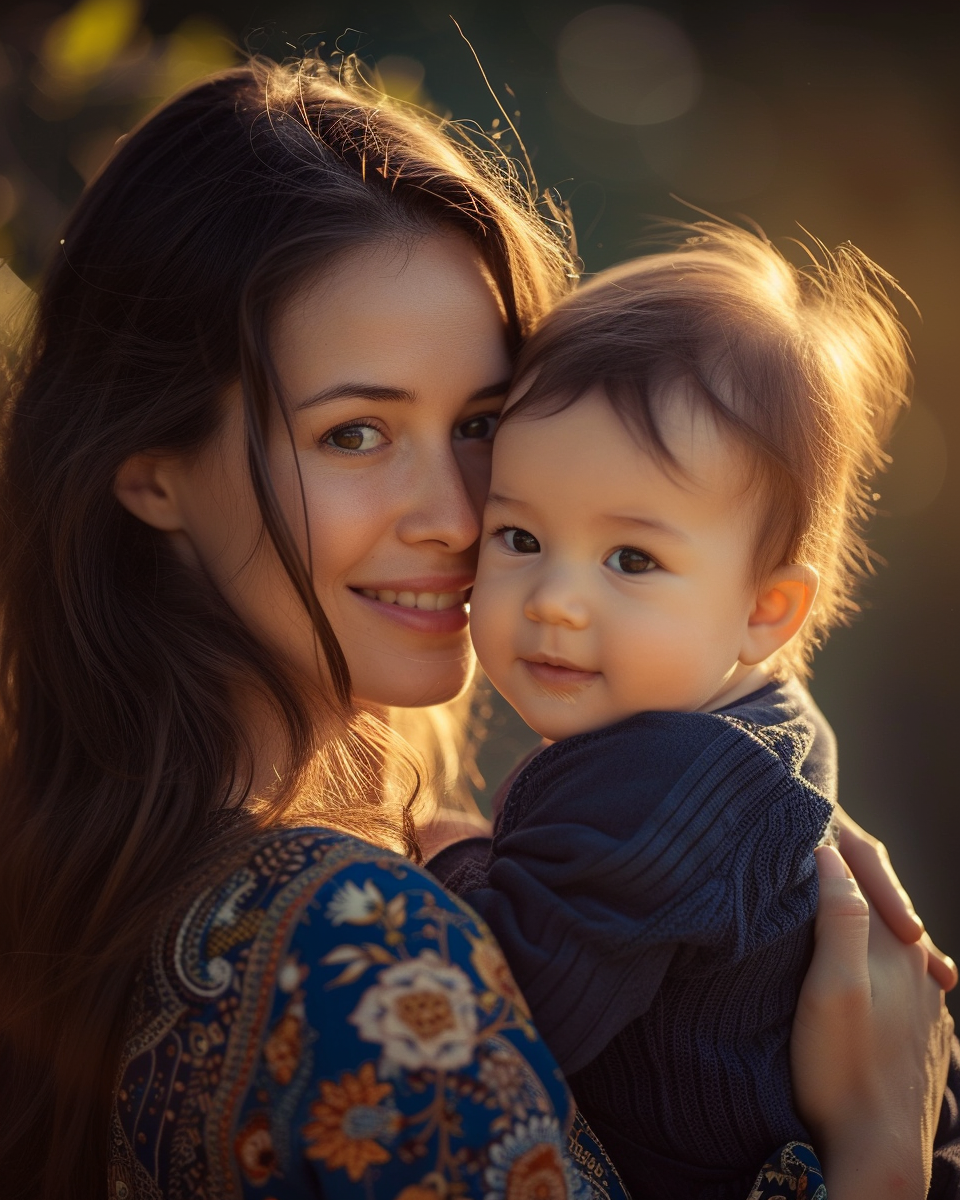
column 783, row 603
column 144, row 485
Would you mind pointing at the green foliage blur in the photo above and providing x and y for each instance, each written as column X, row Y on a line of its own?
column 837, row 118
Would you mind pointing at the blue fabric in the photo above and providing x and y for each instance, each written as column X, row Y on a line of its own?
column 324, row 1020
column 653, row 886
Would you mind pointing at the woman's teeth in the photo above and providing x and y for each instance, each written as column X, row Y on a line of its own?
column 428, row 601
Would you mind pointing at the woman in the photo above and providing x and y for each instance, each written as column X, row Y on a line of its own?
column 242, row 466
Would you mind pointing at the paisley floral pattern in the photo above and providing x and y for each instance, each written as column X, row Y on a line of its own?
column 793, row 1171
column 325, row 1019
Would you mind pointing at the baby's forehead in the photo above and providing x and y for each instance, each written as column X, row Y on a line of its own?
column 689, row 441
column 587, row 452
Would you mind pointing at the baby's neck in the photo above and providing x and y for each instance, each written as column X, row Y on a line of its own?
column 742, row 682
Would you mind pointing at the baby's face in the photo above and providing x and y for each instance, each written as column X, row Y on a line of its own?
column 608, row 585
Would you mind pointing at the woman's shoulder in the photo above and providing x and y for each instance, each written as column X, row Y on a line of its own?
column 257, row 900
column 323, row 1010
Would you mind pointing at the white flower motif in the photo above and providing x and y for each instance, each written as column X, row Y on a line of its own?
column 422, row 1013
column 355, row 906
column 531, row 1162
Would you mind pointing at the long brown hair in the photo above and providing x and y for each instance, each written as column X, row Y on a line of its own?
column 121, row 754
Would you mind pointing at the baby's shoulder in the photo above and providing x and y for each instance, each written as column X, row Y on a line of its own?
column 656, row 768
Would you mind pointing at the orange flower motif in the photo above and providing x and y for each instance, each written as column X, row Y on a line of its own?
column 491, row 966
column 528, row 1164
column 282, row 1048
column 538, row 1175
column 350, row 1122
column 253, row 1147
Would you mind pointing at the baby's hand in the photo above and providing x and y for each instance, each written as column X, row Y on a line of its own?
column 870, row 863
column 449, row 825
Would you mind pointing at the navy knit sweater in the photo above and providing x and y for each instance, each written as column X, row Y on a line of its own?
column 653, row 887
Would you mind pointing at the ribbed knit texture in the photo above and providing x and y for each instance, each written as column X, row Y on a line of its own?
column 653, row 887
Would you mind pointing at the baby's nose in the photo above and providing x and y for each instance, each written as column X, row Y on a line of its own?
column 554, row 603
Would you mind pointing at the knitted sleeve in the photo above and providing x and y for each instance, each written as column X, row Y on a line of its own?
column 618, row 847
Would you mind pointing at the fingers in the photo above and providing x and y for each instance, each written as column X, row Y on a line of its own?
column 871, row 866
column 941, row 966
column 839, row 972
column 448, row 826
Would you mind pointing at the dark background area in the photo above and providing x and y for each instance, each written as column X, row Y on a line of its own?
column 841, row 119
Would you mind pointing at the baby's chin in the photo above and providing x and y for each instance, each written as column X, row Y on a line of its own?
column 562, row 715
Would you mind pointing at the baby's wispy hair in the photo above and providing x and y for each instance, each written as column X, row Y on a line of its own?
column 806, row 366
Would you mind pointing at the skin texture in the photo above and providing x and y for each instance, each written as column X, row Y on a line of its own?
column 403, row 506
column 611, row 584
column 394, row 469
column 869, row 1047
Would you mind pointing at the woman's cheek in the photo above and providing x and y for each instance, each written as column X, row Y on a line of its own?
column 493, row 620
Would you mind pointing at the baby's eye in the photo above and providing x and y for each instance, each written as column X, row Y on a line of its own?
column 358, row 437
column 520, row 541
column 477, row 429
column 630, row 561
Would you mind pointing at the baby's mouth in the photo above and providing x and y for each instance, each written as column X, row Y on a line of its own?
column 425, row 601
column 559, row 674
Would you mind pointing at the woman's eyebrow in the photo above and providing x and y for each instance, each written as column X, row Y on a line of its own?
column 363, row 391
column 490, row 391
column 379, row 392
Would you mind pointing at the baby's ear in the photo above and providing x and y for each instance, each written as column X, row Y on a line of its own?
column 783, row 603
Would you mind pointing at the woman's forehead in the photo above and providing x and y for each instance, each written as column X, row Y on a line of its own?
column 394, row 312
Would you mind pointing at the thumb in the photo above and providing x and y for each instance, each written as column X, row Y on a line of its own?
column 839, row 968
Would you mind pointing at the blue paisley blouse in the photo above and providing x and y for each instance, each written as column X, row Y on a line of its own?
column 326, row 1021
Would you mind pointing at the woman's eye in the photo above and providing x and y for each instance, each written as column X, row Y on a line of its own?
column 354, row 437
column 477, row 429
column 520, row 541
column 629, row 561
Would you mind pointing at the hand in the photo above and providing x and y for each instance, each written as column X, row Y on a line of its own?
column 870, row 863
column 870, row 1048
column 449, row 825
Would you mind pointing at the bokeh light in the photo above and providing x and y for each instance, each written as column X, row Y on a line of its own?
column 79, row 45
column 628, row 64
column 920, row 461
column 401, row 76
column 839, row 118
column 726, row 148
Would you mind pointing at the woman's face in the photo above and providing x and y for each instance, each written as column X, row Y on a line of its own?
column 394, row 366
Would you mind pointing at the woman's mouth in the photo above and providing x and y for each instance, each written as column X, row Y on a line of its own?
column 425, row 601
column 425, row 606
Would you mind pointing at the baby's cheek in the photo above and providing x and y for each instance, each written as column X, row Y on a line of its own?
column 656, row 662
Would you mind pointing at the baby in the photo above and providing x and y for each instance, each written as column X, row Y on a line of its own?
column 673, row 525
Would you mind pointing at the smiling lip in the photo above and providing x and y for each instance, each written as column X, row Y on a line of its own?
column 558, row 672
column 432, row 604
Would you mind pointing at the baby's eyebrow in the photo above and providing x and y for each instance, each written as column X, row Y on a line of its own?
column 497, row 498
column 647, row 523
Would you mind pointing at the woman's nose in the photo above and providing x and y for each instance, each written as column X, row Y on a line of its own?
column 556, row 600
column 437, row 506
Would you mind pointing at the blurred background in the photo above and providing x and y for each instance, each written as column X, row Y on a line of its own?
column 840, row 118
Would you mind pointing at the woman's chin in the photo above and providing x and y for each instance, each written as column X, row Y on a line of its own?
column 415, row 684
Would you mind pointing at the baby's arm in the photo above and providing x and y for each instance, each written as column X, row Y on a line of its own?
column 613, row 849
